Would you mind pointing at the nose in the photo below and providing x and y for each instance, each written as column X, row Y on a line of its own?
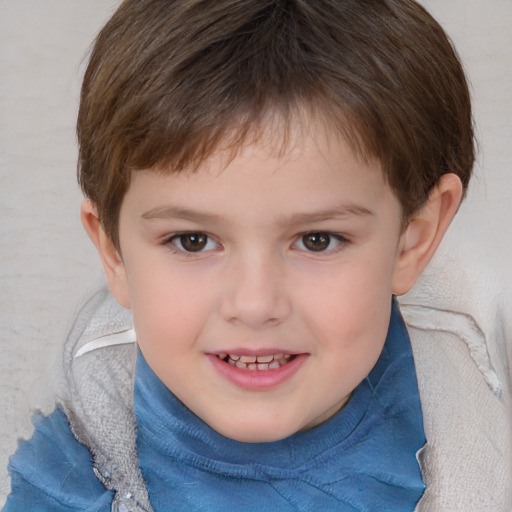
column 255, row 293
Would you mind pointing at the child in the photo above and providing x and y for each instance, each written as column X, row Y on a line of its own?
column 261, row 178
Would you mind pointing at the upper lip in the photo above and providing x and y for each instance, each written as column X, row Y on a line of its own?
column 254, row 352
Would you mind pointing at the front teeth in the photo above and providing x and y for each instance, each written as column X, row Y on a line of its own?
column 268, row 362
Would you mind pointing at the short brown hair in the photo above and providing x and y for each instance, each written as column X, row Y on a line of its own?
column 167, row 79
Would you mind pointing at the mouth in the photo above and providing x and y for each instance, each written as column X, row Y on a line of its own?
column 257, row 363
column 257, row 372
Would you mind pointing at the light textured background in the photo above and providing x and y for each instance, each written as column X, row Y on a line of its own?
column 46, row 261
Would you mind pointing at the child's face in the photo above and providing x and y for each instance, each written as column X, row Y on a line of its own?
column 289, row 259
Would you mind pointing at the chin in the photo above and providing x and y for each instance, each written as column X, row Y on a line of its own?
column 257, row 437
column 254, row 433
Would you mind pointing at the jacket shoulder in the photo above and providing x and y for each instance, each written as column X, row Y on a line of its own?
column 465, row 460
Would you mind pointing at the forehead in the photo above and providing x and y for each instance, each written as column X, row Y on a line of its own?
column 312, row 170
column 279, row 131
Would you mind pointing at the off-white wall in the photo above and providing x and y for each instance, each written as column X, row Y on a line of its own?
column 46, row 262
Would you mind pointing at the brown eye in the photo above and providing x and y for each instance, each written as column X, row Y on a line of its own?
column 191, row 242
column 316, row 241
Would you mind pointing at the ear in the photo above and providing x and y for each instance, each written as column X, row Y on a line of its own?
column 425, row 231
column 110, row 257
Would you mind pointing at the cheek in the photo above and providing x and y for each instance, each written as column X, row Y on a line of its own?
column 350, row 307
column 169, row 308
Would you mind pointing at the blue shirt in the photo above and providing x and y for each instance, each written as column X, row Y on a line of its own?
column 362, row 459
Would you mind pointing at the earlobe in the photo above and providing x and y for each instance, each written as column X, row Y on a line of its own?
column 113, row 264
column 425, row 231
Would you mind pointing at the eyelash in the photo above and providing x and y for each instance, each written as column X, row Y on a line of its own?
column 338, row 238
column 179, row 237
column 323, row 237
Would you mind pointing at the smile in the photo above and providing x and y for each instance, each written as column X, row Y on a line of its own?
column 259, row 363
column 257, row 372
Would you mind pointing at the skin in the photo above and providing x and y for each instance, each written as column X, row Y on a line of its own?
column 256, row 286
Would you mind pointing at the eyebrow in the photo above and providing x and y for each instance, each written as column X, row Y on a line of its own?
column 342, row 211
column 177, row 212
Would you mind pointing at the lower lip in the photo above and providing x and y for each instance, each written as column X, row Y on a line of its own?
column 257, row 380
